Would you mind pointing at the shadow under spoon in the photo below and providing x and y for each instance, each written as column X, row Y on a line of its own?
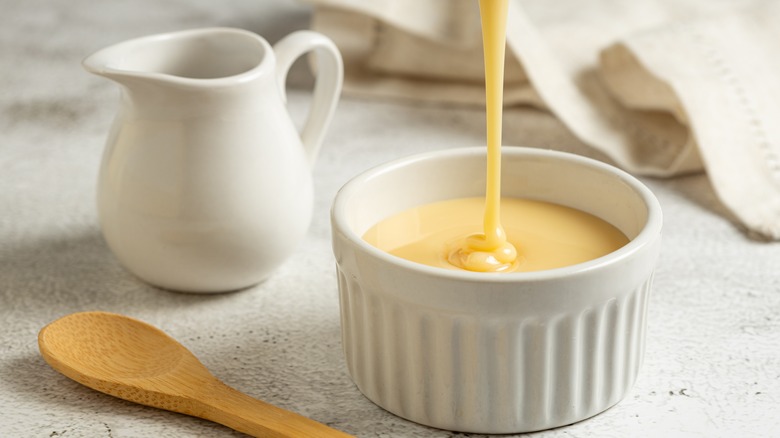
column 135, row 361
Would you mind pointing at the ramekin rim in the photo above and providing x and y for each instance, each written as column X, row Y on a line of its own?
column 649, row 232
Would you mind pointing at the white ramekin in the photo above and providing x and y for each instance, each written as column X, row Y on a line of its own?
column 494, row 353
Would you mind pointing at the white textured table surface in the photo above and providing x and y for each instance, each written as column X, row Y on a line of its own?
column 712, row 364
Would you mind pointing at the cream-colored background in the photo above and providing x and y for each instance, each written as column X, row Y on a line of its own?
column 713, row 349
column 663, row 87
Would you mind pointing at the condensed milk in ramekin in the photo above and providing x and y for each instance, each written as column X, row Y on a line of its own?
column 486, row 352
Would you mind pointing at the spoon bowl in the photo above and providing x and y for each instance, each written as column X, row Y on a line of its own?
column 135, row 361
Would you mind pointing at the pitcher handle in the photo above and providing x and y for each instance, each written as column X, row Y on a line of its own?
column 327, row 88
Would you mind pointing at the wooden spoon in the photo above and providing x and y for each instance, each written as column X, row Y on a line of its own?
column 132, row 360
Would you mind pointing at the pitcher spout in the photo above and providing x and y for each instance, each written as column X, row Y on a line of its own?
column 100, row 64
column 95, row 63
column 200, row 57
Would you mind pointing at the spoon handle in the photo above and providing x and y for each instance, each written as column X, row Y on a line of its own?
column 238, row 411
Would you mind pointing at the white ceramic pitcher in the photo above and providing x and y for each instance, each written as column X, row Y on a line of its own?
column 205, row 183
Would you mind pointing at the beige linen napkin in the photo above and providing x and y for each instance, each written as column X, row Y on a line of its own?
column 664, row 87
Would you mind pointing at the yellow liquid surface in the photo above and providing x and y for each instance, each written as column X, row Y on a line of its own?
column 546, row 235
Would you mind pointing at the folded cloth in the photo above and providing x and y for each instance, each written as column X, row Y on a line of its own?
column 663, row 87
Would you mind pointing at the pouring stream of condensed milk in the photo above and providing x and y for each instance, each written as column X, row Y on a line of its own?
column 538, row 235
column 490, row 251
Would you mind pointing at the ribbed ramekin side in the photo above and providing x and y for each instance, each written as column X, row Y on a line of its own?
column 491, row 375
